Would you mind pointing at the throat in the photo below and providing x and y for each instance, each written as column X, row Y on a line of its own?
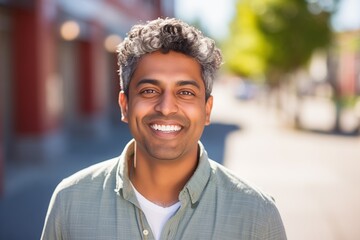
column 160, row 193
column 160, row 181
column 158, row 185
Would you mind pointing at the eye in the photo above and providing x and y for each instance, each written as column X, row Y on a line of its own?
column 148, row 92
column 186, row 93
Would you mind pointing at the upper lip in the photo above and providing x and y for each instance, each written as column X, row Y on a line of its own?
column 167, row 127
column 175, row 120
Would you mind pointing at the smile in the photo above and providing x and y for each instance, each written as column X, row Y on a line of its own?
column 166, row 128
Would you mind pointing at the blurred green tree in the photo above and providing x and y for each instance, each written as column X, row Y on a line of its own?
column 270, row 38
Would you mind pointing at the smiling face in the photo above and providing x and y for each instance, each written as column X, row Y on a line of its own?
column 166, row 108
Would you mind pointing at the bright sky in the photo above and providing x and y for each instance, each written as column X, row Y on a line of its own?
column 215, row 14
column 348, row 18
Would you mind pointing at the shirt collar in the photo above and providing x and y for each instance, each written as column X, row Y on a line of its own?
column 194, row 186
column 122, row 174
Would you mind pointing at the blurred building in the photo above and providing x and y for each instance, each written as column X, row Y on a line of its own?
column 329, row 92
column 348, row 53
column 58, row 71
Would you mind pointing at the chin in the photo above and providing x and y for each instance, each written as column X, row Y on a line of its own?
column 165, row 155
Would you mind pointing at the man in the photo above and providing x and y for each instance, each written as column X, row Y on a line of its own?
column 163, row 186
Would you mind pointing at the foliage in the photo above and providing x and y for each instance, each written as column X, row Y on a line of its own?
column 270, row 38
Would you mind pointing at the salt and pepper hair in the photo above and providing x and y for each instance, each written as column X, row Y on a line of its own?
column 167, row 35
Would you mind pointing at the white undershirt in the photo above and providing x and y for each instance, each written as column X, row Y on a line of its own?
column 156, row 215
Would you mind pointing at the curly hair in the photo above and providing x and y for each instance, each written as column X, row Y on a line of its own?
column 166, row 35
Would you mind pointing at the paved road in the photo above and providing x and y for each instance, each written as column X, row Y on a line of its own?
column 314, row 178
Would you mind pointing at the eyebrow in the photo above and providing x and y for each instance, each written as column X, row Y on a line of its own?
column 150, row 81
column 188, row 82
column 179, row 83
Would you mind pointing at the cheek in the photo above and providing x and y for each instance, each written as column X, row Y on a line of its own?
column 196, row 114
column 139, row 108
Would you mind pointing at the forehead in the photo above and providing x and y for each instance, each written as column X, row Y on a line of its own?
column 167, row 67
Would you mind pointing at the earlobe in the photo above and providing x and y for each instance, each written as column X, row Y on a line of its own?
column 123, row 103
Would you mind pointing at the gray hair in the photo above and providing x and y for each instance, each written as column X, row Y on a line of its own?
column 166, row 35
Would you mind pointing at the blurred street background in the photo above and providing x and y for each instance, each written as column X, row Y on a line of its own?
column 286, row 115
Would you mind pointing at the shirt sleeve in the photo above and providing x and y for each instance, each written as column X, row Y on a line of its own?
column 53, row 221
column 275, row 226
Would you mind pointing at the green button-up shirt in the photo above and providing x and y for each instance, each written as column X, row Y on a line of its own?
column 99, row 203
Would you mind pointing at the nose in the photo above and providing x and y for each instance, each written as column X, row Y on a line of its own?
column 167, row 104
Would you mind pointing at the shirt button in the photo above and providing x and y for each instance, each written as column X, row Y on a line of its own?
column 145, row 232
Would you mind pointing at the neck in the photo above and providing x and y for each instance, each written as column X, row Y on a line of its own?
column 161, row 181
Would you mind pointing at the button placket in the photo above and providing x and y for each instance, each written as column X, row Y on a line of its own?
column 145, row 232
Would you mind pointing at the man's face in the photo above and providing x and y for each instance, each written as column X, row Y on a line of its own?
column 166, row 108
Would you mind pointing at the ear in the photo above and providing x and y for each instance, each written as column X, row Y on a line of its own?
column 123, row 103
column 208, row 108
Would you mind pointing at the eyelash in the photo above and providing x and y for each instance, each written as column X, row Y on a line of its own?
column 187, row 93
column 148, row 91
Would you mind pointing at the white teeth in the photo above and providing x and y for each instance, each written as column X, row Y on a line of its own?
column 166, row 128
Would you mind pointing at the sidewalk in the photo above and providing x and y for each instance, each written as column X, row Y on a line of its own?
column 313, row 177
column 28, row 189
